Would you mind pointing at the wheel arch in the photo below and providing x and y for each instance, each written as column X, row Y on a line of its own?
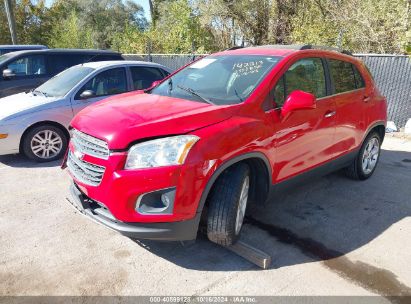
column 42, row 123
column 260, row 177
column 378, row 126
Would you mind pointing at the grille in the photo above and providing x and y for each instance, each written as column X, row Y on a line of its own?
column 90, row 145
column 83, row 171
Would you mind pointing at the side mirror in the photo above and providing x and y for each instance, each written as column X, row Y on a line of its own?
column 7, row 74
column 87, row 94
column 298, row 100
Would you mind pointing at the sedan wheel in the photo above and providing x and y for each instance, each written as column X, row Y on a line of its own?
column 46, row 144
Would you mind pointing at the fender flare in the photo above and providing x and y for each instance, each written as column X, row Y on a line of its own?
column 227, row 164
column 371, row 127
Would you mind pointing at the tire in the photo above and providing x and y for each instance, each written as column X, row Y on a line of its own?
column 227, row 203
column 367, row 159
column 44, row 143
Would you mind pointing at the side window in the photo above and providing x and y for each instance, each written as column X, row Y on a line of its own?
column 359, row 80
column 59, row 63
column 342, row 74
column 143, row 77
column 33, row 65
column 109, row 82
column 279, row 93
column 306, row 75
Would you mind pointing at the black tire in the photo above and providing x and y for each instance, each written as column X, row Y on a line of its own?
column 355, row 170
column 54, row 155
column 223, row 203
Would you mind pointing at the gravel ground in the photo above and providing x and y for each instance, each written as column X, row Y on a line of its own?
column 332, row 236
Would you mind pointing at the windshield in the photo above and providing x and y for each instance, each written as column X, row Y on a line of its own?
column 219, row 80
column 4, row 57
column 62, row 83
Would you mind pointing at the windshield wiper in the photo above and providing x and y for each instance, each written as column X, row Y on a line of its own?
column 42, row 93
column 192, row 92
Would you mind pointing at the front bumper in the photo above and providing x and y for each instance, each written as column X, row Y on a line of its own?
column 10, row 144
column 167, row 231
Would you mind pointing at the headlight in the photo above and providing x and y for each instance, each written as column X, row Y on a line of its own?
column 160, row 152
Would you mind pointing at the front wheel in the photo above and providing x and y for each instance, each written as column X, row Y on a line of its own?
column 227, row 203
column 44, row 143
column 365, row 163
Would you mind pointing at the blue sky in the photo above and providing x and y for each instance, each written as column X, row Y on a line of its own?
column 143, row 3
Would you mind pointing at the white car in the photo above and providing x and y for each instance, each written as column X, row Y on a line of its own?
column 35, row 123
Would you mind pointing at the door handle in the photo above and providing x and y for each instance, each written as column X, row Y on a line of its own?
column 329, row 114
column 366, row 98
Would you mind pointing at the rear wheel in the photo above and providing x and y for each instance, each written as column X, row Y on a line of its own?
column 44, row 143
column 227, row 204
column 365, row 163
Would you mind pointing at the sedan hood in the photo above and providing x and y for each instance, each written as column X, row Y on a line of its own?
column 129, row 117
column 18, row 104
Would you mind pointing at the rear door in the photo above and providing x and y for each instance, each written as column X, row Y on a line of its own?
column 29, row 71
column 349, row 94
column 104, row 84
column 144, row 76
column 305, row 138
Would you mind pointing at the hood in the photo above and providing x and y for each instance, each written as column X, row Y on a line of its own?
column 129, row 117
column 19, row 104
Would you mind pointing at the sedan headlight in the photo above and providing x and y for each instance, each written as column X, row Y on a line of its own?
column 160, row 152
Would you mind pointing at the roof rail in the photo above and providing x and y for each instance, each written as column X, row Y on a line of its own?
column 323, row 47
column 304, row 47
column 234, row 48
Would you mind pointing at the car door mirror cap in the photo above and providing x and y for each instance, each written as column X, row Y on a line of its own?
column 298, row 100
column 87, row 94
column 8, row 74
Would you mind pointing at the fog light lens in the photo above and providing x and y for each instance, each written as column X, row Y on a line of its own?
column 165, row 199
column 156, row 202
column 3, row 136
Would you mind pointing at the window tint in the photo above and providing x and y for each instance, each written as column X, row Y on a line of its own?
column 342, row 74
column 58, row 63
column 306, row 75
column 107, row 83
column 143, row 77
column 28, row 66
column 106, row 57
column 279, row 93
column 359, row 80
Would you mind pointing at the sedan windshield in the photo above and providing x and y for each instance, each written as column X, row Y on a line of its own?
column 219, row 80
column 5, row 57
column 61, row 84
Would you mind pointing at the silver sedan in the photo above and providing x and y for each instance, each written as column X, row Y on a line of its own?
column 35, row 123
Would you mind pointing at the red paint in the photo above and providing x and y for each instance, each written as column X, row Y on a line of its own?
column 294, row 139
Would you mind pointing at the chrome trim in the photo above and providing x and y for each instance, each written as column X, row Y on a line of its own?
column 90, row 145
column 83, row 171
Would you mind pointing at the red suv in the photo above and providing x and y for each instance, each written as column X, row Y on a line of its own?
column 225, row 132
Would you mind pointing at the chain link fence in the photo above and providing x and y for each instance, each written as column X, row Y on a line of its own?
column 392, row 74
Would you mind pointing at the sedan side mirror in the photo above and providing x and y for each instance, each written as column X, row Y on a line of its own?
column 87, row 94
column 298, row 100
column 8, row 74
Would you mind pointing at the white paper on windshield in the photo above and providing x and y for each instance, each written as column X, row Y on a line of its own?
column 202, row 63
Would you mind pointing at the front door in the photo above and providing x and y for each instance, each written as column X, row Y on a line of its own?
column 104, row 84
column 304, row 139
column 28, row 71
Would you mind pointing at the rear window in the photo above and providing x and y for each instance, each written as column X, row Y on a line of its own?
column 342, row 73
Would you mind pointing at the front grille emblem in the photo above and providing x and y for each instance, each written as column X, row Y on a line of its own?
column 78, row 155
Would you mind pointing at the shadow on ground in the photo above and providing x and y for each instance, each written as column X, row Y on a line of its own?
column 321, row 220
column 20, row 161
